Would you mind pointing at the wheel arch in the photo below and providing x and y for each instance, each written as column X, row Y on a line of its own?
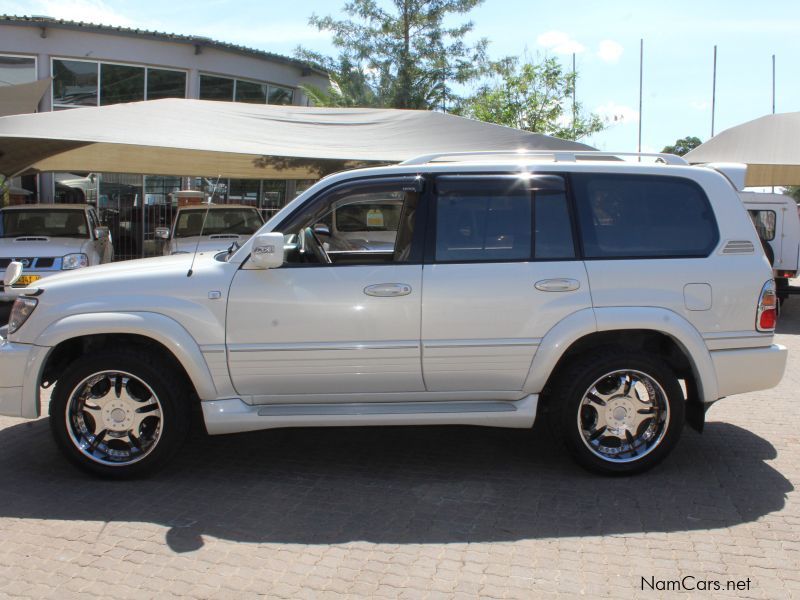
column 76, row 333
column 657, row 330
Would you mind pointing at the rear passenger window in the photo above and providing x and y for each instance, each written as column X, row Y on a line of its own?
column 635, row 216
column 500, row 219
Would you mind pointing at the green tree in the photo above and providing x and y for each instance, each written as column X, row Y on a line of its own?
column 404, row 55
column 349, row 86
column 793, row 191
column 535, row 97
column 683, row 145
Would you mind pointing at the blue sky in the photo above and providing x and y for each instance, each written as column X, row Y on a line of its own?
column 679, row 37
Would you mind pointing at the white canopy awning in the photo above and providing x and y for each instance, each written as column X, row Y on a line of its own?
column 197, row 137
column 769, row 146
column 22, row 98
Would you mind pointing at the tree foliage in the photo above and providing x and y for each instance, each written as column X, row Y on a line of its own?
column 793, row 191
column 531, row 96
column 399, row 57
column 683, row 145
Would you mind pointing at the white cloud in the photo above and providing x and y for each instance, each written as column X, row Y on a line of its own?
column 560, row 43
column 609, row 51
column 701, row 105
column 617, row 113
column 261, row 35
column 88, row 11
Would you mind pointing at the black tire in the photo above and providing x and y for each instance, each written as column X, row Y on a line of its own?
column 165, row 390
column 567, row 408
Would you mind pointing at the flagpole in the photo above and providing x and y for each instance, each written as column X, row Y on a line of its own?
column 641, row 71
column 714, row 92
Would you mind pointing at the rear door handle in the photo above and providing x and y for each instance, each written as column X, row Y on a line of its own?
column 388, row 290
column 557, row 285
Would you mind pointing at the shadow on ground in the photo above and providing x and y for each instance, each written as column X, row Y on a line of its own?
column 397, row 485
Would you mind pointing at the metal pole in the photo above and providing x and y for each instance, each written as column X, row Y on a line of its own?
column 574, row 105
column 714, row 92
column 641, row 71
column 773, row 84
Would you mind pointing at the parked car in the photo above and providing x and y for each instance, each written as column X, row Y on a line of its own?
column 51, row 238
column 777, row 222
column 209, row 227
column 614, row 299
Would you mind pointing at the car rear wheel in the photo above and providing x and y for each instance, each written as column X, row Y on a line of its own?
column 617, row 411
column 119, row 414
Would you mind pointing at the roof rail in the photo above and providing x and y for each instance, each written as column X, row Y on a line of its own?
column 558, row 155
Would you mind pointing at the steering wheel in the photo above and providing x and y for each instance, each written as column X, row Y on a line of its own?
column 310, row 242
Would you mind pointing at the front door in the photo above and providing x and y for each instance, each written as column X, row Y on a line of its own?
column 342, row 316
column 501, row 270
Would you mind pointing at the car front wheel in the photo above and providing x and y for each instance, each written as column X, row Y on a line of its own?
column 119, row 414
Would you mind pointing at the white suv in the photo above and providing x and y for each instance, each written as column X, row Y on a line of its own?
column 615, row 299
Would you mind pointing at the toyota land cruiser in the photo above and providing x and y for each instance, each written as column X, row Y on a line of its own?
column 615, row 299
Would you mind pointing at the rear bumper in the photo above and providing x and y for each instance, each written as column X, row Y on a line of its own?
column 749, row 369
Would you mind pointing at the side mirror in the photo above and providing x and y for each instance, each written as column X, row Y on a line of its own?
column 162, row 233
column 12, row 274
column 267, row 251
column 101, row 233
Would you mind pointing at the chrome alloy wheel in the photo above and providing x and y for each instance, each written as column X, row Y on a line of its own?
column 623, row 416
column 114, row 418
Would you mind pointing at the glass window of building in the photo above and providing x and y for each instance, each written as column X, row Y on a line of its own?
column 121, row 83
column 216, row 88
column 74, row 83
column 163, row 83
column 244, row 191
column 280, row 95
column 248, row 91
column 17, row 69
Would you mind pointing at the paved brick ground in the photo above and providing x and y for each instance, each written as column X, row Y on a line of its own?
column 412, row 513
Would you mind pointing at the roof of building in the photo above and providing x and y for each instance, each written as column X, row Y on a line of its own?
column 195, row 40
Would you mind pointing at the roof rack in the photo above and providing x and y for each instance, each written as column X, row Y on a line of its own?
column 558, row 155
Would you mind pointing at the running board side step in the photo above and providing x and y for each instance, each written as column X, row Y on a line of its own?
column 233, row 415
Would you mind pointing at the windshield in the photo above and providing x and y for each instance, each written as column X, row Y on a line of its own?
column 51, row 223
column 238, row 221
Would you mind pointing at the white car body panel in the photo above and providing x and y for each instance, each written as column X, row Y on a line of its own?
column 313, row 330
column 483, row 322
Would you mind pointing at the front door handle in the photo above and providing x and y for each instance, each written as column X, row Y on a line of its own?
column 388, row 290
column 557, row 285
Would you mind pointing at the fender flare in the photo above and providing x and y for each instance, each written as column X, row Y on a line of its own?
column 587, row 321
column 159, row 328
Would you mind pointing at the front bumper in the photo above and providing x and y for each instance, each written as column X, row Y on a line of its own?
column 19, row 376
column 749, row 369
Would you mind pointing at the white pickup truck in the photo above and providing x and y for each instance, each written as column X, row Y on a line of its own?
column 778, row 225
column 51, row 238
column 209, row 227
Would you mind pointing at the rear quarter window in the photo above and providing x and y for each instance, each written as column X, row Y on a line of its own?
column 641, row 216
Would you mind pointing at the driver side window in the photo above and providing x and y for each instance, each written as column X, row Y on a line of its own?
column 365, row 226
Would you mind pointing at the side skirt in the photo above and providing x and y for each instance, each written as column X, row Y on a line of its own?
column 233, row 415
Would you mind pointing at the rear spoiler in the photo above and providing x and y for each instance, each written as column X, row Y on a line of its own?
column 733, row 172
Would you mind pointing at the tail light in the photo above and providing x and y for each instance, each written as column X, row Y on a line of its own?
column 767, row 313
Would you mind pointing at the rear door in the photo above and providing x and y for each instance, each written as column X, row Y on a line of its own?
column 501, row 270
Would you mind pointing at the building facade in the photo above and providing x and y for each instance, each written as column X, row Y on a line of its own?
column 95, row 65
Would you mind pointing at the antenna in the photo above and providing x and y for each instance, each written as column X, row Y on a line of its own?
column 203, row 226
